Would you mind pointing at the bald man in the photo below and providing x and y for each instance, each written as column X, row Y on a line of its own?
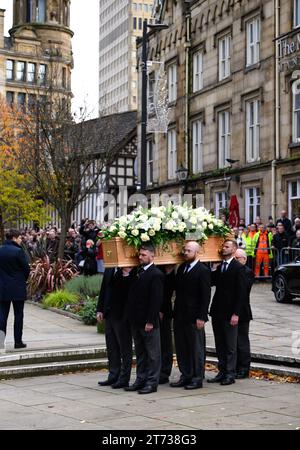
column 192, row 286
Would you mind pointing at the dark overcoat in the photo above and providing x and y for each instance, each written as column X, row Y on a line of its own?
column 14, row 271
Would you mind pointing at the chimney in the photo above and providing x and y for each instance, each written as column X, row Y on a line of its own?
column 2, row 12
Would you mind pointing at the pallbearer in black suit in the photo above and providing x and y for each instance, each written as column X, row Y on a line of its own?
column 111, row 307
column 145, row 301
column 190, row 314
column 165, row 324
column 228, row 302
column 243, row 343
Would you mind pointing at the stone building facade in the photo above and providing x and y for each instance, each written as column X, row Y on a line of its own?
column 234, row 96
column 38, row 52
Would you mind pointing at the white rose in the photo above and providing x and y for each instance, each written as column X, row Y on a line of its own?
column 123, row 220
column 122, row 235
column 156, row 226
column 143, row 218
column 181, row 227
column 174, row 215
column 193, row 220
column 145, row 237
column 151, row 232
column 154, row 210
column 122, row 229
column 204, row 225
column 135, row 232
column 210, row 226
column 170, row 225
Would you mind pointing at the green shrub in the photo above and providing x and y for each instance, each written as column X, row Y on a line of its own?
column 88, row 313
column 84, row 286
column 59, row 299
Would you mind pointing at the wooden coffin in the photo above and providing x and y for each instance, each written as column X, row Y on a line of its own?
column 116, row 253
column 211, row 249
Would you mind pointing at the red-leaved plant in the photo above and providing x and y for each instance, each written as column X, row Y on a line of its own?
column 46, row 277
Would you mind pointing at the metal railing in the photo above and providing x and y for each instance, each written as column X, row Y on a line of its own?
column 272, row 258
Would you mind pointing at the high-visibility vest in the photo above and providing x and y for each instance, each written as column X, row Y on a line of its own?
column 249, row 245
column 269, row 240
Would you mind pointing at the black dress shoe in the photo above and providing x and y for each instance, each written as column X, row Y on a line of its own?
column 180, row 383
column 241, row 375
column 119, row 385
column 227, row 381
column 20, row 345
column 163, row 380
column 148, row 390
column 134, row 387
column 193, row 386
column 217, row 379
column 106, row 382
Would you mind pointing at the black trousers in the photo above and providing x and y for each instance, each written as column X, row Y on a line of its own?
column 243, row 348
column 226, row 345
column 190, row 351
column 18, row 322
column 166, row 345
column 119, row 349
column 148, row 356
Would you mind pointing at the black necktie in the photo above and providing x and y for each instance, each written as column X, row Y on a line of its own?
column 224, row 268
column 187, row 268
column 140, row 271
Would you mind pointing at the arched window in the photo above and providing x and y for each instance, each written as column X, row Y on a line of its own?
column 296, row 110
column 40, row 10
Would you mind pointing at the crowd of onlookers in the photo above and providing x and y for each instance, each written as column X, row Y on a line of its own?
column 82, row 245
column 267, row 245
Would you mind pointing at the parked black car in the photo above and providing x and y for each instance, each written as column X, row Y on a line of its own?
column 286, row 281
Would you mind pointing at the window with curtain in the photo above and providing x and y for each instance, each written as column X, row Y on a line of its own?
column 253, row 41
column 224, row 137
column 172, row 154
column 252, row 130
column 197, row 146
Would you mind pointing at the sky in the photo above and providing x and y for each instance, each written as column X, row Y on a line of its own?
column 84, row 23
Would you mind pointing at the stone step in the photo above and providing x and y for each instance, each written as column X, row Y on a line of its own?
column 48, row 356
column 266, row 358
column 51, row 368
column 267, row 368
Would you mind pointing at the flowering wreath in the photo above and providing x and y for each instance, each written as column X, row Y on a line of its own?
column 161, row 224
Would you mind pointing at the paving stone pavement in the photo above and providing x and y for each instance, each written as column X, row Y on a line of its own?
column 76, row 402
column 274, row 329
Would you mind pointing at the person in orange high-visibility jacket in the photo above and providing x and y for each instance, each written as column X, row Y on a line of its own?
column 262, row 250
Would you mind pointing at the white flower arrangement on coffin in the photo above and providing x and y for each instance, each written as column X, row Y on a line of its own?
column 161, row 224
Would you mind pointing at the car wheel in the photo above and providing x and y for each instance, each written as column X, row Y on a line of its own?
column 281, row 291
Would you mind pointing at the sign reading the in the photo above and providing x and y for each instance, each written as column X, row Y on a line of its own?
column 289, row 51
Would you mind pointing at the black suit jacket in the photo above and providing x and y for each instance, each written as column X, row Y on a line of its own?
column 192, row 293
column 169, row 288
column 14, row 271
column 231, row 291
column 113, row 295
column 246, row 313
column 145, row 297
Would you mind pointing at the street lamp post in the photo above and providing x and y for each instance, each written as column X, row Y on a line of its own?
column 144, row 111
column 158, row 26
